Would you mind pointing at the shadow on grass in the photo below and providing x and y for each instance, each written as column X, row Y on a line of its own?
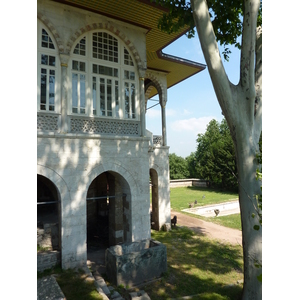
column 198, row 266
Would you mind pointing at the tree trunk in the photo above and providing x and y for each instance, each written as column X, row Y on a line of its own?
column 246, row 150
column 241, row 106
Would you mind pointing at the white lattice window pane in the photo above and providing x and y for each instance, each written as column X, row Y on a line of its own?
column 82, row 93
column 46, row 40
column 105, row 47
column 43, row 98
column 109, row 98
column 127, row 58
column 102, row 96
column 52, row 61
column 74, row 93
column 117, row 104
column 52, row 90
column 133, row 100
column 94, row 96
column 129, row 75
column 126, row 96
column 44, row 59
column 80, row 48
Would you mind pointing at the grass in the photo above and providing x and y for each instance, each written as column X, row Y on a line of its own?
column 198, row 266
column 74, row 284
column 180, row 198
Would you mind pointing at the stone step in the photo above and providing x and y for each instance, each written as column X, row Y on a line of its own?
column 48, row 288
column 101, row 283
column 140, row 295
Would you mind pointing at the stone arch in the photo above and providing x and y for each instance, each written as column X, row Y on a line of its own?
column 109, row 27
column 53, row 176
column 109, row 214
column 53, row 31
column 155, row 82
column 114, row 167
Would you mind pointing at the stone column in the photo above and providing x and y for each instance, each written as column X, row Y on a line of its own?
column 64, row 58
column 142, row 102
column 163, row 120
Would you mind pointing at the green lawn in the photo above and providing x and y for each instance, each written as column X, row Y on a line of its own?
column 180, row 198
column 198, row 266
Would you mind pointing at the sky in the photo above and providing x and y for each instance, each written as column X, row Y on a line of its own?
column 192, row 103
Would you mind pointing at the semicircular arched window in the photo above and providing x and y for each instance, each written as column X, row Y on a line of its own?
column 104, row 77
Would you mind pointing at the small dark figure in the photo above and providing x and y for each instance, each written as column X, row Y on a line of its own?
column 196, row 201
column 217, row 211
column 191, row 205
column 174, row 221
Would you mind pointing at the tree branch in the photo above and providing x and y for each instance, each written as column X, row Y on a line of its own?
column 220, row 81
column 258, row 82
column 251, row 8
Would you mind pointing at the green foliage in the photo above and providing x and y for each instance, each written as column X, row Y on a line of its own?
column 226, row 17
column 178, row 167
column 193, row 165
column 216, row 157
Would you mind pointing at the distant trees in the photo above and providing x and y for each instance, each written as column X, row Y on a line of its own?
column 215, row 155
column 214, row 159
column 178, row 167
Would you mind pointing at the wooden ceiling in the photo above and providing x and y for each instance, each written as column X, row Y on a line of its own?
column 145, row 14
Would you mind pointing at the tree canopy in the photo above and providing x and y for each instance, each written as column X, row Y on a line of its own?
column 226, row 17
column 216, row 157
column 178, row 167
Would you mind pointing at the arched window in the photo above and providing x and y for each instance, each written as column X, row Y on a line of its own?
column 48, row 71
column 103, row 78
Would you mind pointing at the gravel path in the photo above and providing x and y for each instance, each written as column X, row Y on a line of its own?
column 212, row 230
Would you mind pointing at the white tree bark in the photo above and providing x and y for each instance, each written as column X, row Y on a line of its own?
column 241, row 106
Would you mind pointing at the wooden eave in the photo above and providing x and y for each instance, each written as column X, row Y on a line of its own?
column 145, row 14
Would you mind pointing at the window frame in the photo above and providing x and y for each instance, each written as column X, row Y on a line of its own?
column 50, row 53
column 120, row 66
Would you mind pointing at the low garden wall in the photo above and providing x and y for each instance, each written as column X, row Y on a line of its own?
column 187, row 182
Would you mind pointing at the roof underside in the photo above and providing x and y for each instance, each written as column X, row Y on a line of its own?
column 144, row 14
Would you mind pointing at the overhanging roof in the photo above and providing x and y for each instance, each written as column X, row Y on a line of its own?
column 145, row 14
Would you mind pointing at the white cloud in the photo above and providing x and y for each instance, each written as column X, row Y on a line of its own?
column 187, row 112
column 153, row 113
column 170, row 112
column 197, row 125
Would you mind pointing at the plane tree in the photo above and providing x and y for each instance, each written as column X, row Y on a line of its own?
column 224, row 21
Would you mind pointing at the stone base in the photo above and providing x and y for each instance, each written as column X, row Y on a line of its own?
column 134, row 263
column 47, row 260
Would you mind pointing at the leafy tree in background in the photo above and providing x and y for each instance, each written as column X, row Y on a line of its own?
column 193, row 165
column 224, row 21
column 216, row 157
column 178, row 167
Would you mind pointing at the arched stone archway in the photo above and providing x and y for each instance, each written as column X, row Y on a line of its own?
column 48, row 223
column 108, row 211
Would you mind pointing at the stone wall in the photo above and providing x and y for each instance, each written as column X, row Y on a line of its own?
column 72, row 163
column 187, row 182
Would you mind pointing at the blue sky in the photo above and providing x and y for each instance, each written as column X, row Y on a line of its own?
column 191, row 103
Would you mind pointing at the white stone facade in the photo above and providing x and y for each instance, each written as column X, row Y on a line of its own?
column 74, row 150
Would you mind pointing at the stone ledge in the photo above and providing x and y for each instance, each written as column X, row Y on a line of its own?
column 48, row 288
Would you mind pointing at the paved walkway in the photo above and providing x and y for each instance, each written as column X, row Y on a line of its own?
column 212, row 230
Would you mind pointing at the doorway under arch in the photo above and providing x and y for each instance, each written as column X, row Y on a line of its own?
column 48, row 215
column 154, row 200
column 108, row 211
